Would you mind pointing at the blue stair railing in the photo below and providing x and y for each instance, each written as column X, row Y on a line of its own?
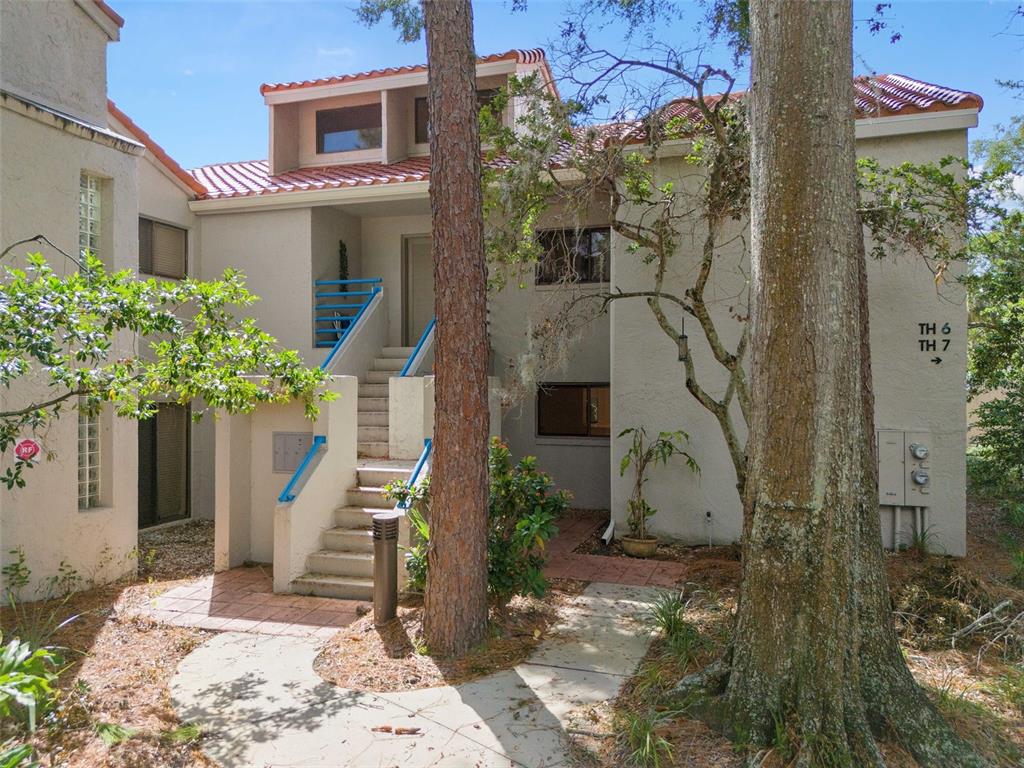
column 428, row 445
column 289, row 493
column 423, row 346
column 333, row 318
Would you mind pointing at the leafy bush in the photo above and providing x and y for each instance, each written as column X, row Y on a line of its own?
column 522, row 509
column 996, row 462
column 27, row 677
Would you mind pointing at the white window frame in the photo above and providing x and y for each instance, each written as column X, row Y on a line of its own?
column 89, row 214
column 89, row 455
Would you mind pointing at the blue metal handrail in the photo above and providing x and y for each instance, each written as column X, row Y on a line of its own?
column 428, row 445
column 319, row 441
column 407, row 369
column 343, row 333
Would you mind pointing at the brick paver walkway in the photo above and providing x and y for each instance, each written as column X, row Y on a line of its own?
column 242, row 600
column 563, row 564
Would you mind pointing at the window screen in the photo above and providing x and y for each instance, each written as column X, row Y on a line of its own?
column 348, row 129
column 574, row 255
column 574, row 410
column 163, row 249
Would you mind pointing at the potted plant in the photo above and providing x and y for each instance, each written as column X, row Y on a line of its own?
column 643, row 454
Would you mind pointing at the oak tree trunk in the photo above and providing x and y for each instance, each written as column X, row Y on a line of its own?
column 814, row 649
column 455, row 610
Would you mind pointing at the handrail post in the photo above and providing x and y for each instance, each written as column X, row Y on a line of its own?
column 412, row 363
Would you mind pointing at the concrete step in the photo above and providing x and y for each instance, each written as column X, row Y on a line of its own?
column 326, row 585
column 374, row 390
column 367, row 496
column 374, row 404
column 357, row 517
column 401, row 352
column 348, row 539
column 380, row 475
column 348, row 564
column 373, row 418
column 372, row 450
column 368, row 434
column 388, row 364
column 379, row 377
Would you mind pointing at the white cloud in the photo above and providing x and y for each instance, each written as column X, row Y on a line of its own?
column 345, row 54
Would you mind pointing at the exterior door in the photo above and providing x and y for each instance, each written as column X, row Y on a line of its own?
column 163, row 465
column 419, row 289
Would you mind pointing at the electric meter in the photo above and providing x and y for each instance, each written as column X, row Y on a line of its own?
column 919, row 477
column 918, row 451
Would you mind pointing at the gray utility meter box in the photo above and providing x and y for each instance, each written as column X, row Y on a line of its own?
column 904, row 468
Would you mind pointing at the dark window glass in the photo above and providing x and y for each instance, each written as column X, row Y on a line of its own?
column 574, row 410
column 163, row 249
column 483, row 98
column 422, row 123
column 578, row 255
column 348, row 129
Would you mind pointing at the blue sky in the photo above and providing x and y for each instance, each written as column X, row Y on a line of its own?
column 189, row 72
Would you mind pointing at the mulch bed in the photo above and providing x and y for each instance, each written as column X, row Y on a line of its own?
column 119, row 665
column 392, row 658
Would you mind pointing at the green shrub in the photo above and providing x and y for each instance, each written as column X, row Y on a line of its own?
column 522, row 509
column 27, row 677
column 995, row 463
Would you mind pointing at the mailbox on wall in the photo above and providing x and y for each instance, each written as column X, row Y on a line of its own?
column 289, row 449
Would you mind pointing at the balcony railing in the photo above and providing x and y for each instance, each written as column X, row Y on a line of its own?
column 333, row 317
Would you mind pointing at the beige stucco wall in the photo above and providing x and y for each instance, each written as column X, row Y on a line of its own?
column 912, row 393
column 39, row 185
column 52, row 52
column 273, row 249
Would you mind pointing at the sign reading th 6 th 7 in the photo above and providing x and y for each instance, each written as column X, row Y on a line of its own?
column 933, row 338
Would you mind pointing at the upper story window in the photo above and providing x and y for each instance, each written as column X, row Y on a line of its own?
column 578, row 255
column 163, row 249
column 89, row 214
column 483, row 98
column 348, row 129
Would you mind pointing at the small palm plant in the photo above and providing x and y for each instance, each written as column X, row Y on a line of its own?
column 644, row 453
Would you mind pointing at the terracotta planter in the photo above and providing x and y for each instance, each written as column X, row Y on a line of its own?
column 639, row 547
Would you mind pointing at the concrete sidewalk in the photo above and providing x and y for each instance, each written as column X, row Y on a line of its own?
column 261, row 704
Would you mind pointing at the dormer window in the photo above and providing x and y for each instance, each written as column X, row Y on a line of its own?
column 348, row 129
column 483, row 98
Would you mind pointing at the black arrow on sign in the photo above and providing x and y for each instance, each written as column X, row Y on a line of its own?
column 936, row 359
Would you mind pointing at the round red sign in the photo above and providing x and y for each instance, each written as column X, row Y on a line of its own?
column 26, row 450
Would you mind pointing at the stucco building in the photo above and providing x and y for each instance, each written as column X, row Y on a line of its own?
column 333, row 233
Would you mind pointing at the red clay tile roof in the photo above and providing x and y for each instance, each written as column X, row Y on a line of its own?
column 114, row 16
column 158, row 152
column 876, row 96
column 531, row 56
column 889, row 95
column 253, row 177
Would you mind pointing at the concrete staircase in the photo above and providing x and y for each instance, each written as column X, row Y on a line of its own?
column 373, row 401
column 343, row 568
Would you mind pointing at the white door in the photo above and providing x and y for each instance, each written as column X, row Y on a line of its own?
column 419, row 288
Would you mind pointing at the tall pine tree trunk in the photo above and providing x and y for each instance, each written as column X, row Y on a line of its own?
column 814, row 648
column 455, row 609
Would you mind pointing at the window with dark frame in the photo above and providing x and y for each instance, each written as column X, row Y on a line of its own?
column 574, row 410
column 348, row 129
column 163, row 249
column 581, row 256
column 422, row 118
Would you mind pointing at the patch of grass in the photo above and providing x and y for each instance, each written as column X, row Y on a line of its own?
column 1009, row 688
column 986, row 730
column 666, row 613
column 1015, row 515
column 189, row 733
column 645, row 747
column 112, row 734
